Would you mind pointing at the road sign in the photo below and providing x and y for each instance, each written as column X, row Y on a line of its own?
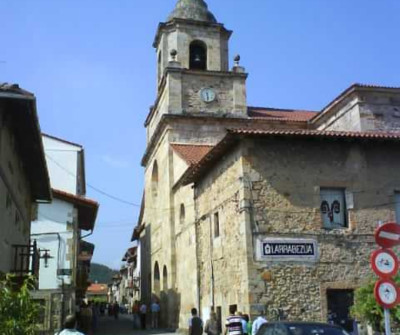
column 384, row 262
column 386, row 293
column 388, row 235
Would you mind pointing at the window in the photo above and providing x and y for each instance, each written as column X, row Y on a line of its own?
column 182, row 214
column 397, row 204
column 156, row 279
column 198, row 56
column 8, row 200
column 333, row 208
column 17, row 219
column 154, row 180
column 216, row 225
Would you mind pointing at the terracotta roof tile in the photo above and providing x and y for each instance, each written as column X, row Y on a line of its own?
column 192, row 154
column 196, row 171
column 318, row 133
column 277, row 114
column 98, row 289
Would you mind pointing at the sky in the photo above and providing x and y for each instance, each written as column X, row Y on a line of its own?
column 92, row 67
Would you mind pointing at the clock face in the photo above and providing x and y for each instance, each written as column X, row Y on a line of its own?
column 207, row 94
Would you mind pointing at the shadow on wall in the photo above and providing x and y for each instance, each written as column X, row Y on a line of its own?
column 170, row 308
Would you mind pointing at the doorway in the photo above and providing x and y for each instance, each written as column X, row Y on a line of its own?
column 339, row 303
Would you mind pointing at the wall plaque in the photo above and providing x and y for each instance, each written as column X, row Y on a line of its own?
column 287, row 249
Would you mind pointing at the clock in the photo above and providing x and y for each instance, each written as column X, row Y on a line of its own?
column 208, row 95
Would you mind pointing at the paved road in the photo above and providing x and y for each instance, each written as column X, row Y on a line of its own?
column 123, row 326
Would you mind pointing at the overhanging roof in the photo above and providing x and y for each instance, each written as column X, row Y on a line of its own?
column 20, row 106
column 233, row 137
column 87, row 208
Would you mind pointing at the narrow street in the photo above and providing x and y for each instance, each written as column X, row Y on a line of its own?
column 123, row 326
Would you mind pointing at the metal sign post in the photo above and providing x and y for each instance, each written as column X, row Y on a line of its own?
column 387, row 321
column 385, row 264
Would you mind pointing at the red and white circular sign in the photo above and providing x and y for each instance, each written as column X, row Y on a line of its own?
column 386, row 293
column 384, row 262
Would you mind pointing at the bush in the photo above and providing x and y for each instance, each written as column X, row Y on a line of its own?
column 19, row 314
column 366, row 309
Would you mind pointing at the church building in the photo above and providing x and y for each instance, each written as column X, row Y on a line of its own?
column 266, row 209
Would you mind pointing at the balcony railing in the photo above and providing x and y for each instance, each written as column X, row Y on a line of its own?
column 26, row 260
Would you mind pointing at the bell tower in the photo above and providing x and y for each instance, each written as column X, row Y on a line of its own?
column 193, row 31
column 193, row 75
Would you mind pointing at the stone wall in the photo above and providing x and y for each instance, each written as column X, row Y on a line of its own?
column 364, row 111
column 222, row 259
column 284, row 182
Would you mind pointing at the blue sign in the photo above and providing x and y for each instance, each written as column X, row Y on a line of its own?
column 288, row 249
column 275, row 249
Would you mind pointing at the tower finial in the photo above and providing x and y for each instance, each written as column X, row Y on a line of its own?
column 192, row 10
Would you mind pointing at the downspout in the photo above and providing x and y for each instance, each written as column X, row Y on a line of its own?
column 198, row 280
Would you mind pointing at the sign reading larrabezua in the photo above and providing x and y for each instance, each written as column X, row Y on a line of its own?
column 287, row 249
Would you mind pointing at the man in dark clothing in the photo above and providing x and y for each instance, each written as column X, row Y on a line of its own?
column 195, row 324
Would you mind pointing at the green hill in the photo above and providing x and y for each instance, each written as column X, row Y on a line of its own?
column 101, row 273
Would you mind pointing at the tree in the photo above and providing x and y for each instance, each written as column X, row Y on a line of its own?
column 366, row 309
column 19, row 314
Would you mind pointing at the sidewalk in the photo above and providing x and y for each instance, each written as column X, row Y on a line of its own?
column 123, row 326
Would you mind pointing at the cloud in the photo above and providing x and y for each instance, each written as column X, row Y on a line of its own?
column 115, row 162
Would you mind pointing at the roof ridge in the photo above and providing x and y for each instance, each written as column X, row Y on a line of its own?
column 196, row 144
column 289, row 110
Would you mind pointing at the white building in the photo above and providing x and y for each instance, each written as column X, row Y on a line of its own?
column 65, row 264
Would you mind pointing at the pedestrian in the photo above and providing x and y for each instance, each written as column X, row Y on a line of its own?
column 135, row 313
column 95, row 315
column 69, row 327
column 85, row 318
column 233, row 324
column 143, row 312
column 258, row 322
column 115, row 310
column 155, row 314
column 244, row 322
column 195, row 323
column 249, row 323
column 212, row 326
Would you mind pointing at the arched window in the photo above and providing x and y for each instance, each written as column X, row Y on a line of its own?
column 182, row 214
column 154, row 180
column 156, row 279
column 165, row 279
column 159, row 66
column 198, row 56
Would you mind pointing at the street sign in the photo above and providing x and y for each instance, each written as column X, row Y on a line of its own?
column 384, row 262
column 388, row 235
column 386, row 293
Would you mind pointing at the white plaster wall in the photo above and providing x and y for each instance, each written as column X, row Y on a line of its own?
column 55, row 218
column 62, row 163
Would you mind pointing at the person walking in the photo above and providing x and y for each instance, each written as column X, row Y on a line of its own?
column 258, row 322
column 115, row 309
column 69, row 327
column 233, row 324
column 155, row 313
column 249, row 323
column 212, row 326
column 195, row 323
column 244, row 322
column 136, row 315
column 143, row 312
column 85, row 318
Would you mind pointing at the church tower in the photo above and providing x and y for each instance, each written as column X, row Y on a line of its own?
column 198, row 97
column 193, row 75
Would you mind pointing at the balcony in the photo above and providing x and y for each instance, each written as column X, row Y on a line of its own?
column 26, row 261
